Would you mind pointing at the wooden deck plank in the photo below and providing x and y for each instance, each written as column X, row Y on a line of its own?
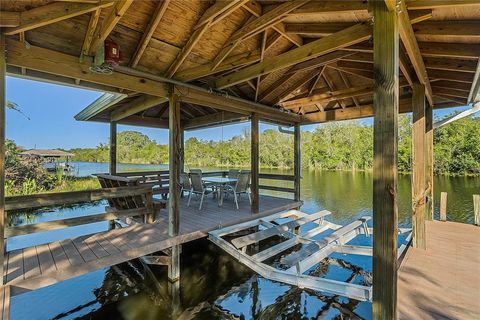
column 31, row 265
column 47, row 264
column 138, row 240
column 72, row 253
column 442, row 282
column 59, row 256
column 15, row 265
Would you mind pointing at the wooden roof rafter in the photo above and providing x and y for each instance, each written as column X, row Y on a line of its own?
column 118, row 10
column 411, row 46
column 49, row 14
column 256, row 26
column 213, row 15
column 344, row 38
column 152, row 26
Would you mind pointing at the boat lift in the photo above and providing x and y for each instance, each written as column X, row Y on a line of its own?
column 294, row 265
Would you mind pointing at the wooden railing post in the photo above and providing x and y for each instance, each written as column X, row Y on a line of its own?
column 254, row 162
column 443, row 206
column 174, row 182
column 385, row 150
column 3, row 102
column 429, row 161
column 476, row 208
column 418, row 166
column 297, row 162
column 113, row 147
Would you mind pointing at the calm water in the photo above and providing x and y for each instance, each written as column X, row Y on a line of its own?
column 213, row 285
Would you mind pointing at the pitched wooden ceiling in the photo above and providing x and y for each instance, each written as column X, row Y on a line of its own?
column 313, row 58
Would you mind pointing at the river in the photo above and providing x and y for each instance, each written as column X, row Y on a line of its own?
column 213, row 285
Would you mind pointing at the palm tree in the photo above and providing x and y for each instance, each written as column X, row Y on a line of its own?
column 13, row 106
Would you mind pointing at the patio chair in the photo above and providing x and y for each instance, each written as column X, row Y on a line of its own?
column 241, row 187
column 185, row 183
column 205, row 184
column 233, row 173
column 197, row 188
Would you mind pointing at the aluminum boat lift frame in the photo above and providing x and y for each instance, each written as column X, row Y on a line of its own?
column 311, row 253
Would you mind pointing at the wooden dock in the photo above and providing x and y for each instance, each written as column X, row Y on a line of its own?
column 43, row 265
column 442, row 282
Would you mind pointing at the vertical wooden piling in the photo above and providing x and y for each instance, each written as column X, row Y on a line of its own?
column 174, row 182
column 429, row 161
column 182, row 149
column 113, row 147
column 385, row 150
column 3, row 103
column 297, row 162
column 254, row 162
column 443, row 206
column 476, row 208
column 418, row 167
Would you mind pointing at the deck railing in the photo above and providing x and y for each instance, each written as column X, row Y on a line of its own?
column 43, row 200
column 161, row 179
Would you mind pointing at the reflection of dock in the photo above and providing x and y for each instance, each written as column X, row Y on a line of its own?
column 442, row 282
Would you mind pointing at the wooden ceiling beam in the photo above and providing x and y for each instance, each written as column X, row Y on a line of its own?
column 450, row 92
column 467, row 28
column 315, row 82
column 145, row 122
column 228, row 64
column 140, row 104
column 450, row 50
column 52, row 62
column 257, row 25
column 256, row 9
column 363, row 111
column 343, row 6
column 266, row 20
column 192, row 41
column 9, row 19
column 51, row 13
column 432, row 4
column 451, row 76
column 275, row 87
column 391, row 5
column 344, row 38
column 92, row 26
column 110, row 21
column 328, row 96
column 203, row 98
column 411, row 46
column 215, row 118
column 456, row 65
column 218, row 11
column 452, row 85
column 292, row 87
column 148, row 33
column 204, row 23
column 320, row 61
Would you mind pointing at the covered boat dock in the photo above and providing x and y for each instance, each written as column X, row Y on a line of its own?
column 193, row 64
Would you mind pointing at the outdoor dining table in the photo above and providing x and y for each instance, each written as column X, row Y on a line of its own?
column 221, row 183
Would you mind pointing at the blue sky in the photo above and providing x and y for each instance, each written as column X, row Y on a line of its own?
column 51, row 109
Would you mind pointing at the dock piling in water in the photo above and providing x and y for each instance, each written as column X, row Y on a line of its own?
column 443, row 206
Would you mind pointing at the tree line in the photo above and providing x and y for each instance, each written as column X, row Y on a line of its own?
column 344, row 145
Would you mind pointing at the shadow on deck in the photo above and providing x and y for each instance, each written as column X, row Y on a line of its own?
column 46, row 264
column 442, row 282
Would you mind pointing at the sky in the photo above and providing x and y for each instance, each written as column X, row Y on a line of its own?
column 51, row 108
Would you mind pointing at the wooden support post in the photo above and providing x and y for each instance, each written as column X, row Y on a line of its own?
column 254, row 162
column 443, row 206
column 113, row 147
column 418, row 167
column 429, row 160
column 174, row 181
column 182, row 149
column 476, row 208
column 385, row 151
column 297, row 162
column 3, row 103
